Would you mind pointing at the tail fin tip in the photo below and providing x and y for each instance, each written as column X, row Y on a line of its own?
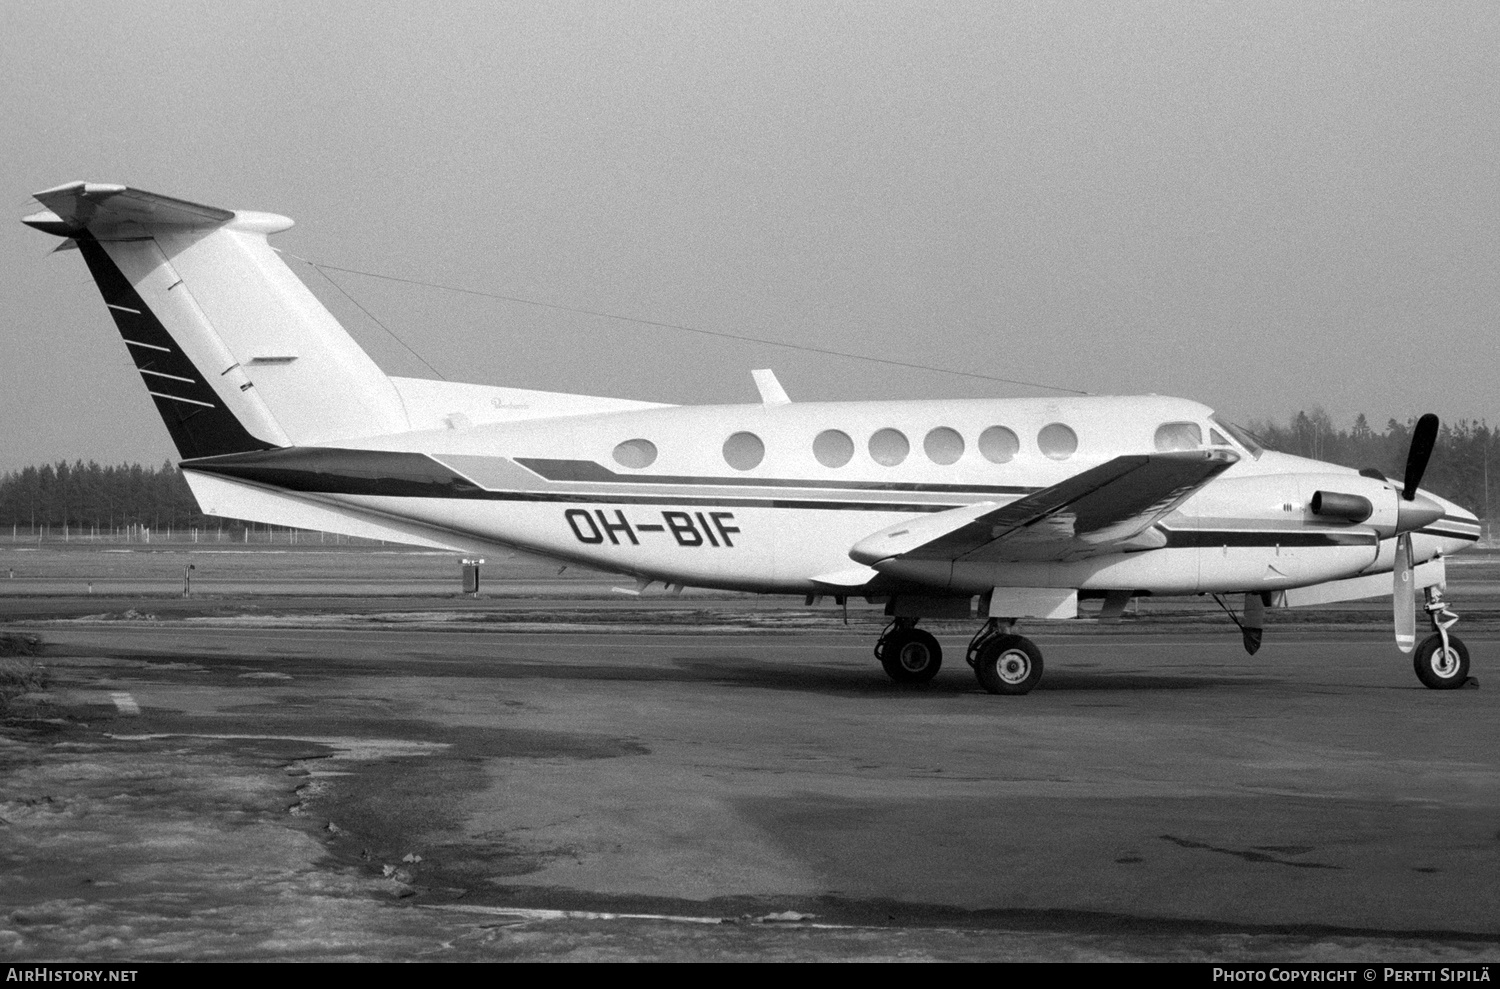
column 201, row 299
column 79, row 206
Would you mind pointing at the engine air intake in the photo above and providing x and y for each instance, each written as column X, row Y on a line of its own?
column 1349, row 507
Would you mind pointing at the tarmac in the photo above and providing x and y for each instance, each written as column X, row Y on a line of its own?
column 663, row 779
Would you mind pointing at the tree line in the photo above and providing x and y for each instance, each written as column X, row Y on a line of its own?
column 83, row 496
column 109, row 498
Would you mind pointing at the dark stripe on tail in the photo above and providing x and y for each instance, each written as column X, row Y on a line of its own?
column 195, row 416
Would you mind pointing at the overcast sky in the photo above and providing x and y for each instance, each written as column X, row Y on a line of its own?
column 1263, row 206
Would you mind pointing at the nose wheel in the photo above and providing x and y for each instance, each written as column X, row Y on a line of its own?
column 1442, row 665
column 1442, row 660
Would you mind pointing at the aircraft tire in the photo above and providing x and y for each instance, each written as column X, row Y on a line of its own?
column 1439, row 671
column 1011, row 664
column 911, row 655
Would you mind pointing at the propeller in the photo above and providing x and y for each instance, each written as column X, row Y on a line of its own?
column 1423, row 439
column 1414, row 515
column 1404, row 595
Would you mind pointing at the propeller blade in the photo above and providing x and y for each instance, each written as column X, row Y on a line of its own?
column 1404, row 595
column 1423, row 438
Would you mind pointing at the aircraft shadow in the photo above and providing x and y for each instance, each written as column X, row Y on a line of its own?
column 847, row 681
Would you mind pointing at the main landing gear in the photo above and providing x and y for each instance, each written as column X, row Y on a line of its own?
column 907, row 653
column 1003, row 662
column 1442, row 660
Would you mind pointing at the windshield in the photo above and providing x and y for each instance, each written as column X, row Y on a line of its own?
column 1241, row 437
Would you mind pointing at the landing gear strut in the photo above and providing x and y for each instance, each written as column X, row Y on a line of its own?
column 1442, row 660
column 1003, row 662
column 907, row 653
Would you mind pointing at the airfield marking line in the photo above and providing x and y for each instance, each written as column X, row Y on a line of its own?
column 537, row 913
column 352, row 748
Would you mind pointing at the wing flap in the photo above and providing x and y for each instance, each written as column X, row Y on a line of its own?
column 1108, row 508
column 853, row 577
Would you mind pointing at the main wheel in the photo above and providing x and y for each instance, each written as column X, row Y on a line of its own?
column 911, row 655
column 1011, row 664
column 1442, row 669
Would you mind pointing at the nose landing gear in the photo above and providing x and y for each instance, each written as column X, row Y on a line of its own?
column 1442, row 660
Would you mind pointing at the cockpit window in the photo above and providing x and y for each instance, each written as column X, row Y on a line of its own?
column 1241, row 437
column 1178, row 436
column 1217, row 438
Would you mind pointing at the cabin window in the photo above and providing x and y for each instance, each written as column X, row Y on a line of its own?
column 833, row 448
column 999, row 445
column 888, row 447
column 943, row 445
column 1178, row 436
column 743, row 451
column 635, row 454
column 1057, row 441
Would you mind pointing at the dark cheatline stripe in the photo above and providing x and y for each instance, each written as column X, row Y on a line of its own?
column 1207, row 538
column 320, row 470
column 199, row 424
column 328, row 470
column 1445, row 533
column 595, row 472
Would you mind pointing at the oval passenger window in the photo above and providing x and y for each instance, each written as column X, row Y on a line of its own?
column 635, row 454
column 1057, row 441
column 833, row 448
column 999, row 445
column 743, row 451
column 888, row 447
column 943, row 445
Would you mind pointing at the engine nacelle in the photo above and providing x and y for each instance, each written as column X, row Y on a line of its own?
column 1377, row 504
column 1337, row 505
column 1317, row 498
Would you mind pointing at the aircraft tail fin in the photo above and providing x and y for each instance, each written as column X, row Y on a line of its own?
column 235, row 351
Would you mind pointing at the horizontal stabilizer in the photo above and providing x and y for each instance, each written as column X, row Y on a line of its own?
column 77, row 206
column 229, row 498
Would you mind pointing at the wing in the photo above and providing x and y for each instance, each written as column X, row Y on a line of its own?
column 1106, row 509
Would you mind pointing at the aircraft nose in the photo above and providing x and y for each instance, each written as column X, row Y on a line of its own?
column 1457, row 528
column 1450, row 510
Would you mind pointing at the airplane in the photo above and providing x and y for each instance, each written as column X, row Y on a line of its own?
column 998, row 509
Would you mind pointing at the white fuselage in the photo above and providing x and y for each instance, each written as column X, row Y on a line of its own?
column 700, row 513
